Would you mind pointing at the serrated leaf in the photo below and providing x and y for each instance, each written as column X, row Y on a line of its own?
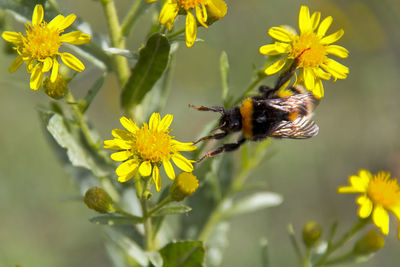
column 253, row 203
column 153, row 59
column 224, row 69
column 76, row 153
column 173, row 209
column 183, row 254
column 112, row 220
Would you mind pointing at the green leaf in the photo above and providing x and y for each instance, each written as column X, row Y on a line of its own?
column 183, row 254
column 112, row 220
column 153, row 59
column 253, row 203
column 173, row 209
column 224, row 69
column 93, row 92
column 76, row 152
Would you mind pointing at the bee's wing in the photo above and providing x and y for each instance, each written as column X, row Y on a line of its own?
column 300, row 128
column 299, row 103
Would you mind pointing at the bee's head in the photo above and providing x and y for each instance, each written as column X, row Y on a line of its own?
column 231, row 120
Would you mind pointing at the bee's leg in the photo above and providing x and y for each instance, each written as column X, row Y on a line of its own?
column 205, row 108
column 287, row 75
column 213, row 136
column 225, row 147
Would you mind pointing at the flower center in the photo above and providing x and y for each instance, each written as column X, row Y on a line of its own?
column 40, row 41
column 308, row 46
column 188, row 4
column 383, row 190
column 152, row 145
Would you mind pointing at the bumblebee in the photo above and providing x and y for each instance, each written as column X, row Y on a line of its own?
column 266, row 115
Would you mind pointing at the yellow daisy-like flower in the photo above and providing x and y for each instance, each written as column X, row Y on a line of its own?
column 310, row 48
column 207, row 11
column 145, row 149
column 39, row 47
column 380, row 194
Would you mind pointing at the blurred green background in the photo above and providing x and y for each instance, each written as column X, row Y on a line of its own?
column 358, row 119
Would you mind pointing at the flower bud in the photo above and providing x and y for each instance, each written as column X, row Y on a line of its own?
column 184, row 185
column 369, row 243
column 56, row 90
column 98, row 199
column 312, row 232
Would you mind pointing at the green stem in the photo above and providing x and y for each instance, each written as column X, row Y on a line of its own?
column 249, row 89
column 214, row 218
column 331, row 248
column 176, row 33
column 166, row 201
column 294, row 243
column 130, row 18
column 117, row 41
column 148, row 227
column 307, row 258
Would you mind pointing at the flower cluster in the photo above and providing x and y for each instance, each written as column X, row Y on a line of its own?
column 145, row 149
column 310, row 48
column 206, row 11
column 379, row 194
column 39, row 47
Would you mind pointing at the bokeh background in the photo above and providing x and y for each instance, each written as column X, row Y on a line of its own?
column 359, row 128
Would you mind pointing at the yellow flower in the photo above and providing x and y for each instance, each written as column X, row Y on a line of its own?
column 206, row 11
column 311, row 48
column 145, row 149
column 379, row 194
column 39, row 48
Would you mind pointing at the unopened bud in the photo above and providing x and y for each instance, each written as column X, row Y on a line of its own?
column 312, row 232
column 184, row 185
column 369, row 243
column 56, row 90
column 98, row 199
column 215, row 10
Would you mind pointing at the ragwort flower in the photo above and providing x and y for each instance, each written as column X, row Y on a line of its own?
column 39, row 47
column 311, row 48
column 207, row 11
column 145, row 149
column 379, row 194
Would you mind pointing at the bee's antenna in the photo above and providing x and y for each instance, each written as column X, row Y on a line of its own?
column 205, row 108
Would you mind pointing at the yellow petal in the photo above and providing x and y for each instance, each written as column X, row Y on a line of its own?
column 55, row 22
column 145, row 169
column 75, row 38
column 183, row 146
column 72, row 62
column 366, row 206
column 182, row 163
column 121, row 155
column 190, row 29
column 117, row 144
column 380, row 217
column 337, row 51
column 165, row 123
column 47, row 64
column 324, row 26
column 128, row 124
column 151, row 1
column 38, row 14
column 127, row 167
column 168, row 13
column 318, row 91
column 304, row 20
column 277, row 66
column 309, row 78
column 322, row 74
column 62, row 22
column 157, row 178
column 12, row 37
column 54, row 72
column 36, row 77
column 347, row 190
column 315, row 17
column 201, row 15
column 332, row 37
column 280, row 34
column 121, row 134
column 16, row 64
column 154, row 121
column 337, row 70
column 274, row 49
column 216, row 9
column 169, row 170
